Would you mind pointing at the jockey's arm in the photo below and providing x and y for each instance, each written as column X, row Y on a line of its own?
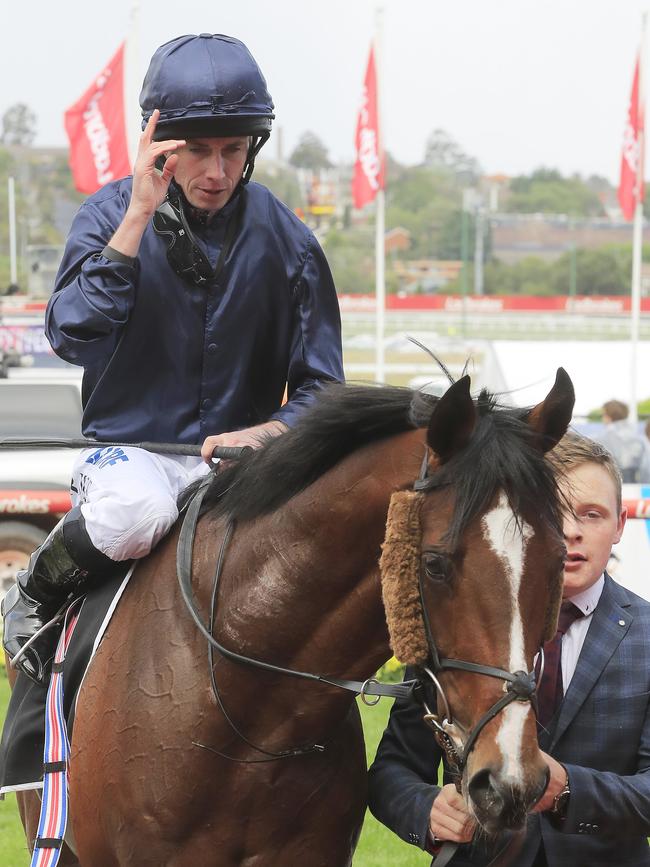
column 250, row 436
column 315, row 352
column 95, row 287
column 149, row 188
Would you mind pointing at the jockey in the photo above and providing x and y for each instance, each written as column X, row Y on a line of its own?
column 191, row 298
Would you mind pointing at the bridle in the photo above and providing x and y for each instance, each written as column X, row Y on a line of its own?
column 517, row 685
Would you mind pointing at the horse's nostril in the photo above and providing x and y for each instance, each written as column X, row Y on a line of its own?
column 499, row 802
column 485, row 793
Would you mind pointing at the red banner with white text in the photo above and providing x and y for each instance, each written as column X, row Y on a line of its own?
column 368, row 176
column 584, row 305
column 96, row 128
column 630, row 190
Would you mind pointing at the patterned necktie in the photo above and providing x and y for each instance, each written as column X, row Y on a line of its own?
column 550, row 691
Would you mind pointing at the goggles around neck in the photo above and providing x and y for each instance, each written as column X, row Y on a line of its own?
column 184, row 254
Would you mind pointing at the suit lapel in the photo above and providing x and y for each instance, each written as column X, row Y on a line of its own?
column 602, row 639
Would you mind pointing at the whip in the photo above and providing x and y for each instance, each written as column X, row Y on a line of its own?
column 232, row 453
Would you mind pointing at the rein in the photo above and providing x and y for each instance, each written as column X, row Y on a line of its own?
column 369, row 687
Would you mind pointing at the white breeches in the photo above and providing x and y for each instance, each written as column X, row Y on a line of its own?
column 128, row 496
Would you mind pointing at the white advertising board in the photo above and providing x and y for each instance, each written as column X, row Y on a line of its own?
column 630, row 560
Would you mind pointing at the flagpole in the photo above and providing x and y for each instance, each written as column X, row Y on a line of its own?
column 380, row 279
column 13, row 270
column 380, row 288
column 637, row 236
column 132, row 82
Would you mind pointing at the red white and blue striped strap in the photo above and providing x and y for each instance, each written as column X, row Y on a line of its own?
column 54, row 806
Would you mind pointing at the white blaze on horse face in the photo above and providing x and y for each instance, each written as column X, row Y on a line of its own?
column 509, row 540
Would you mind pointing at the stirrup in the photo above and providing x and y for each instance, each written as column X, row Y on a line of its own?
column 13, row 662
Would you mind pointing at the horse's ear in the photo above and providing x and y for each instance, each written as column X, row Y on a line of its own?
column 452, row 421
column 552, row 416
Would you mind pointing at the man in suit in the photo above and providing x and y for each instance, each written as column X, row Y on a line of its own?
column 596, row 808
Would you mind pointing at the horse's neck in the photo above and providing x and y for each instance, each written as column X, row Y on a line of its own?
column 301, row 586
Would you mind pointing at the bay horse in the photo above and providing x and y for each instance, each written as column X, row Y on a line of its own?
column 272, row 772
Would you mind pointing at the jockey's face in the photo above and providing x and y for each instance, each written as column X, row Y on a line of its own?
column 209, row 169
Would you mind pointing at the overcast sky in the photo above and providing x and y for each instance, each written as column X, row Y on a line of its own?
column 518, row 83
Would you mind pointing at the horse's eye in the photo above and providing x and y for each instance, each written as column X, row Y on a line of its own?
column 435, row 567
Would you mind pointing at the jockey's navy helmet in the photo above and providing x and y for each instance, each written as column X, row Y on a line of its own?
column 206, row 86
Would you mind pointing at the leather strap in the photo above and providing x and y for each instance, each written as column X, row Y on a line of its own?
column 184, row 551
column 445, row 854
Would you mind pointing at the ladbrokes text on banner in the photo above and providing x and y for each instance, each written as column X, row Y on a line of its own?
column 631, row 178
column 368, row 176
column 96, row 128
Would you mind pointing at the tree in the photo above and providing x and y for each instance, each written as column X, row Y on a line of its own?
column 598, row 272
column 281, row 181
column 18, row 125
column 546, row 191
column 442, row 152
column 449, row 240
column 351, row 257
column 427, row 202
column 310, row 153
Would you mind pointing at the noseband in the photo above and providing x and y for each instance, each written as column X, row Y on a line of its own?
column 517, row 686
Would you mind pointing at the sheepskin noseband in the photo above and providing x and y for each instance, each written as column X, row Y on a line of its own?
column 400, row 568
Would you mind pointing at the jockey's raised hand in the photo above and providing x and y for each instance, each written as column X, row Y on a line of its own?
column 149, row 187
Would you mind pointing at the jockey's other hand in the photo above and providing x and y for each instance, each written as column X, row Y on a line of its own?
column 250, row 436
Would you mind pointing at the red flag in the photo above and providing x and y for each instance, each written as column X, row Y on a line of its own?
column 96, row 128
column 630, row 188
column 368, row 176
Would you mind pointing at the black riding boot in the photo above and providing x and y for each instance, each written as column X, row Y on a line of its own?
column 63, row 565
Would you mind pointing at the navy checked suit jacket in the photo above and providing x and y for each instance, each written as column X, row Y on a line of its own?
column 601, row 734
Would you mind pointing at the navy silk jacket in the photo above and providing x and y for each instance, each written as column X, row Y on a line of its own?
column 167, row 361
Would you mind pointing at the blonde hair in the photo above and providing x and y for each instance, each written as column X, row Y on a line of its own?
column 573, row 450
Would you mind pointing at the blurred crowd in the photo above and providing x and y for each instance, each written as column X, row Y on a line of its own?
column 630, row 447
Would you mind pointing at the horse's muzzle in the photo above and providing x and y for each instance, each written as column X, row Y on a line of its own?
column 499, row 803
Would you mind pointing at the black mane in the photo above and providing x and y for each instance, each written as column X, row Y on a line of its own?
column 343, row 419
column 501, row 454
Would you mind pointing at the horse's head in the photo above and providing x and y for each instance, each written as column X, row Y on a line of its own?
column 485, row 564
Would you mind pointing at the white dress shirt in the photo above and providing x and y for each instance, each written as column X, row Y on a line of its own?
column 575, row 635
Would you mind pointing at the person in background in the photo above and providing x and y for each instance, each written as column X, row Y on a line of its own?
column 595, row 730
column 630, row 449
column 191, row 298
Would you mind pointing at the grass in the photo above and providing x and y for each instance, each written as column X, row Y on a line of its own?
column 13, row 849
column 378, row 847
